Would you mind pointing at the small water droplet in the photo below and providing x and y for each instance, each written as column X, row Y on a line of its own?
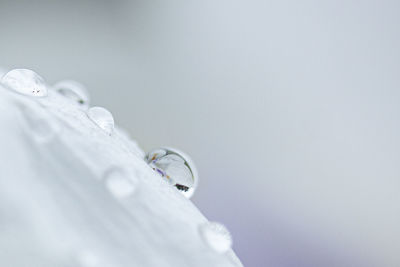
column 216, row 236
column 103, row 118
column 176, row 167
column 25, row 81
column 119, row 183
column 74, row 91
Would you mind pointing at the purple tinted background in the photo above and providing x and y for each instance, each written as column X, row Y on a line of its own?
column 289, row 108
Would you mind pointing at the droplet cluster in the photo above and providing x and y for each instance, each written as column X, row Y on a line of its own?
column 28, row 82
column 171, row 164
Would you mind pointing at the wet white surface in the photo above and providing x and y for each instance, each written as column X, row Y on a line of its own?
column 56, row 209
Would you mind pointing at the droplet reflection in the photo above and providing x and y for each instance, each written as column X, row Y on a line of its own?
column 176, row 167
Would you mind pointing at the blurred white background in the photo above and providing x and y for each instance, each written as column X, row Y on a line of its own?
column 289, row 108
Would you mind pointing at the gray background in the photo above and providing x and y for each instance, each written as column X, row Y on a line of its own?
column 289, row 108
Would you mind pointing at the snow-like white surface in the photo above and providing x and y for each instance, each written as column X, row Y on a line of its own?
column 56, row 209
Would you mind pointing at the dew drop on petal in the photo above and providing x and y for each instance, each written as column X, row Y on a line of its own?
column 74, row 91
column 103, row 118
column 176, row 167
column 25, row 81
column 119, row 183
column 216, row 236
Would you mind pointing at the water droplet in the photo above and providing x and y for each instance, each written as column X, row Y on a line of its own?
column 216, row 236
column 74, row 91
column 176, row 167
column 119, row 183
column 25, row 81
column 103, row 118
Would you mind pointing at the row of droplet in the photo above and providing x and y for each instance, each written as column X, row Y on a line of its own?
column 117, row 181
column 172, row 164
column 214, row 234
column 29, row 83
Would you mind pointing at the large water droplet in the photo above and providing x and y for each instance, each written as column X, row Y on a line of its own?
column 175, row 166
column 74, row 91
column 25, row 81
column 103, row 118
column 119, row 183
column 216, row 236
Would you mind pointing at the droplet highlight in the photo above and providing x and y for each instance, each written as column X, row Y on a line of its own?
column 176, row 167
column 74, row 91
column 119, row 183
column 25, row 81
column 103, row 118
column 216, row 236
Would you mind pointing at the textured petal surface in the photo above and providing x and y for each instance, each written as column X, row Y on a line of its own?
column 56, row 209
